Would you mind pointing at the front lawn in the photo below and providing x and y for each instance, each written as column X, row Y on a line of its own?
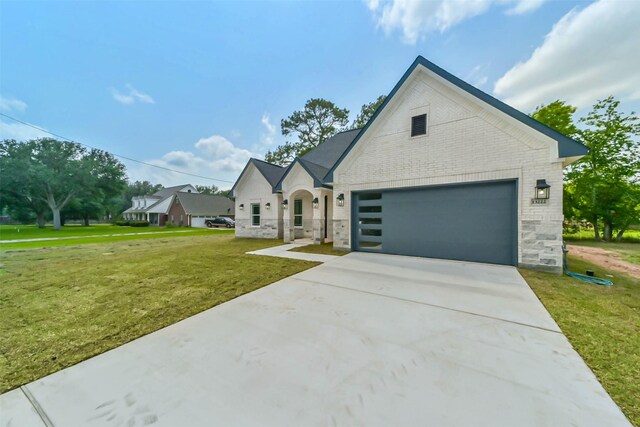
column 323, row 249
column 59, row 306
column 77, row 235
column 603, row 325
column 629, row 252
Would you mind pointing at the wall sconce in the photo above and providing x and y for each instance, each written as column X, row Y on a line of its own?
column 316, row 203
column 285, row 204
column 542, row 189
column 241, row 206
column 268, row 206
column 340, row 200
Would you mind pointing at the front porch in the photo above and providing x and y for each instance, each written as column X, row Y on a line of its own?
column 307, row 215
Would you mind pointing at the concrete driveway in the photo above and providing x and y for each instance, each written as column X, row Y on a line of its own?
column 361, row 340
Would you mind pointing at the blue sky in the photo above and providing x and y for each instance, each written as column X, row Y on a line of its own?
column 201, row 86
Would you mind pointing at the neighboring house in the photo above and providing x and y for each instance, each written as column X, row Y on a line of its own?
column 441, row 170
column 155, row 208
column 192, row 209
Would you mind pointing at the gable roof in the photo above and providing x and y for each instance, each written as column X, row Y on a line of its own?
column 272, row 173
column 168, row 191
column 567, row 147
column 321, row 159
column 205, row 204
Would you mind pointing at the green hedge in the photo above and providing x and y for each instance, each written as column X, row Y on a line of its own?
column 132, row 223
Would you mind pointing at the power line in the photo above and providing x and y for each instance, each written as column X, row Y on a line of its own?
column 116, row 155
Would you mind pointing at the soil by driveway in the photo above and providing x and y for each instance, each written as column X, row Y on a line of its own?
column 363, row 339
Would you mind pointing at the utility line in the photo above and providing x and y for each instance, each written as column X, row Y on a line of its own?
column 114, row 154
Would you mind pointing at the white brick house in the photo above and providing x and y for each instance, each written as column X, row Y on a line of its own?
column 441, row 170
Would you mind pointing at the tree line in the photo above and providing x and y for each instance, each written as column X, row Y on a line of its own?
column 49, row 177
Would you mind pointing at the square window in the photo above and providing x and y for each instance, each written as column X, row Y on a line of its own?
column 255, row 214
column 419, row 125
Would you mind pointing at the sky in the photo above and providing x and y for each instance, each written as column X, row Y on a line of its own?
column 201, row 86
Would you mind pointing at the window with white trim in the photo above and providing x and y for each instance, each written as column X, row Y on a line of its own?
column 255, row 214
column 297, row 213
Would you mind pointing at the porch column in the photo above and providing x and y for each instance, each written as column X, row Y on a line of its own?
column 318, row 218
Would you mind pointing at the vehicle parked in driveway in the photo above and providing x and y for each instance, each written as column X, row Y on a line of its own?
column 220, row 222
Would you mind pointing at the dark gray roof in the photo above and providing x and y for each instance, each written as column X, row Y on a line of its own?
column 271, row 172
column 168, row 191
column 328, row 153
column 321, row 159
column 205, row 204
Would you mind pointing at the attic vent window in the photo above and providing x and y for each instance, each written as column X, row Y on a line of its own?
column 419, row 125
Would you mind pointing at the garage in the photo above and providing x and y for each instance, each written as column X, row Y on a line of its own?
column 466, row 222
column 198, row 221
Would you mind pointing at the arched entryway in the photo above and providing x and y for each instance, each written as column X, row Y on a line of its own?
column 300, row 215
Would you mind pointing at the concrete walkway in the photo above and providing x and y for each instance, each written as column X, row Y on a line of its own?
column 364, row 339
column 283, row 251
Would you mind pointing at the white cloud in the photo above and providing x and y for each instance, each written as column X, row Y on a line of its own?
column 476, row 76
column 20, row 132
column 588, row 55
column 417, row 18
column 267, row 137
column 11, row 104
column 214, row 157
column 132, row 96
column 524, row 6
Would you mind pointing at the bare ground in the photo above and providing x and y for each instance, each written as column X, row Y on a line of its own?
column 608, row 259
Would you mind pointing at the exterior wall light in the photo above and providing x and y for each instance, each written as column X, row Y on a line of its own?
column 241, row 206
column 285, row 204
column 267, row 206
column 542, row 189
column 316, row 203
column 340, row 200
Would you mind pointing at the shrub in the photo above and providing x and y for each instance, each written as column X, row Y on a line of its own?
column 139, row 223
column 122, row 222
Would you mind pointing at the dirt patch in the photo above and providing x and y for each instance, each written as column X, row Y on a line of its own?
column 605, row 258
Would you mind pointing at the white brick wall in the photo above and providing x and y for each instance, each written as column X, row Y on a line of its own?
column 467, row 141
column 254, row 188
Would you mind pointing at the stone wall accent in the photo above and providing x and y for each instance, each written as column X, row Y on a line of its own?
column 269, row 229
column 341, row 230
column 541, row 245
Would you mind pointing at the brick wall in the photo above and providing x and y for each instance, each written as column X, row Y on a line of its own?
column 176, row 211
column 466, row 141
column 254, row 188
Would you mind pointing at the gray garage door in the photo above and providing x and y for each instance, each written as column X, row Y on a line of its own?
column 470, row 222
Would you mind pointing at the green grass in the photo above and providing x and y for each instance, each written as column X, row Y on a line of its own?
column 59, row 306
column 629, row 236
column 103, row 233
column 323, row 249
column 603, row 325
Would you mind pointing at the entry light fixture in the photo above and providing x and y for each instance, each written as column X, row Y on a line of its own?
column 340, row 200
column 285, row 204
column 268, row 206
column 542, row 189
column 316, row 203
column 241, row 206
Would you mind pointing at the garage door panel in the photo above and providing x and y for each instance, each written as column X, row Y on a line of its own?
column 471, row 222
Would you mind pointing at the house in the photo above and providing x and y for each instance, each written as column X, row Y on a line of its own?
column 180, row 205
column 191, row 209
column 441, row 170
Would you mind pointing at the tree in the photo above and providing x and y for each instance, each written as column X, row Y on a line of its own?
column 366, row 112
column 133, row 189
column 16, row 189
column 559, row 116
column 606, row 180
column 57, row 172
column 318, row 121
column 212, row 189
